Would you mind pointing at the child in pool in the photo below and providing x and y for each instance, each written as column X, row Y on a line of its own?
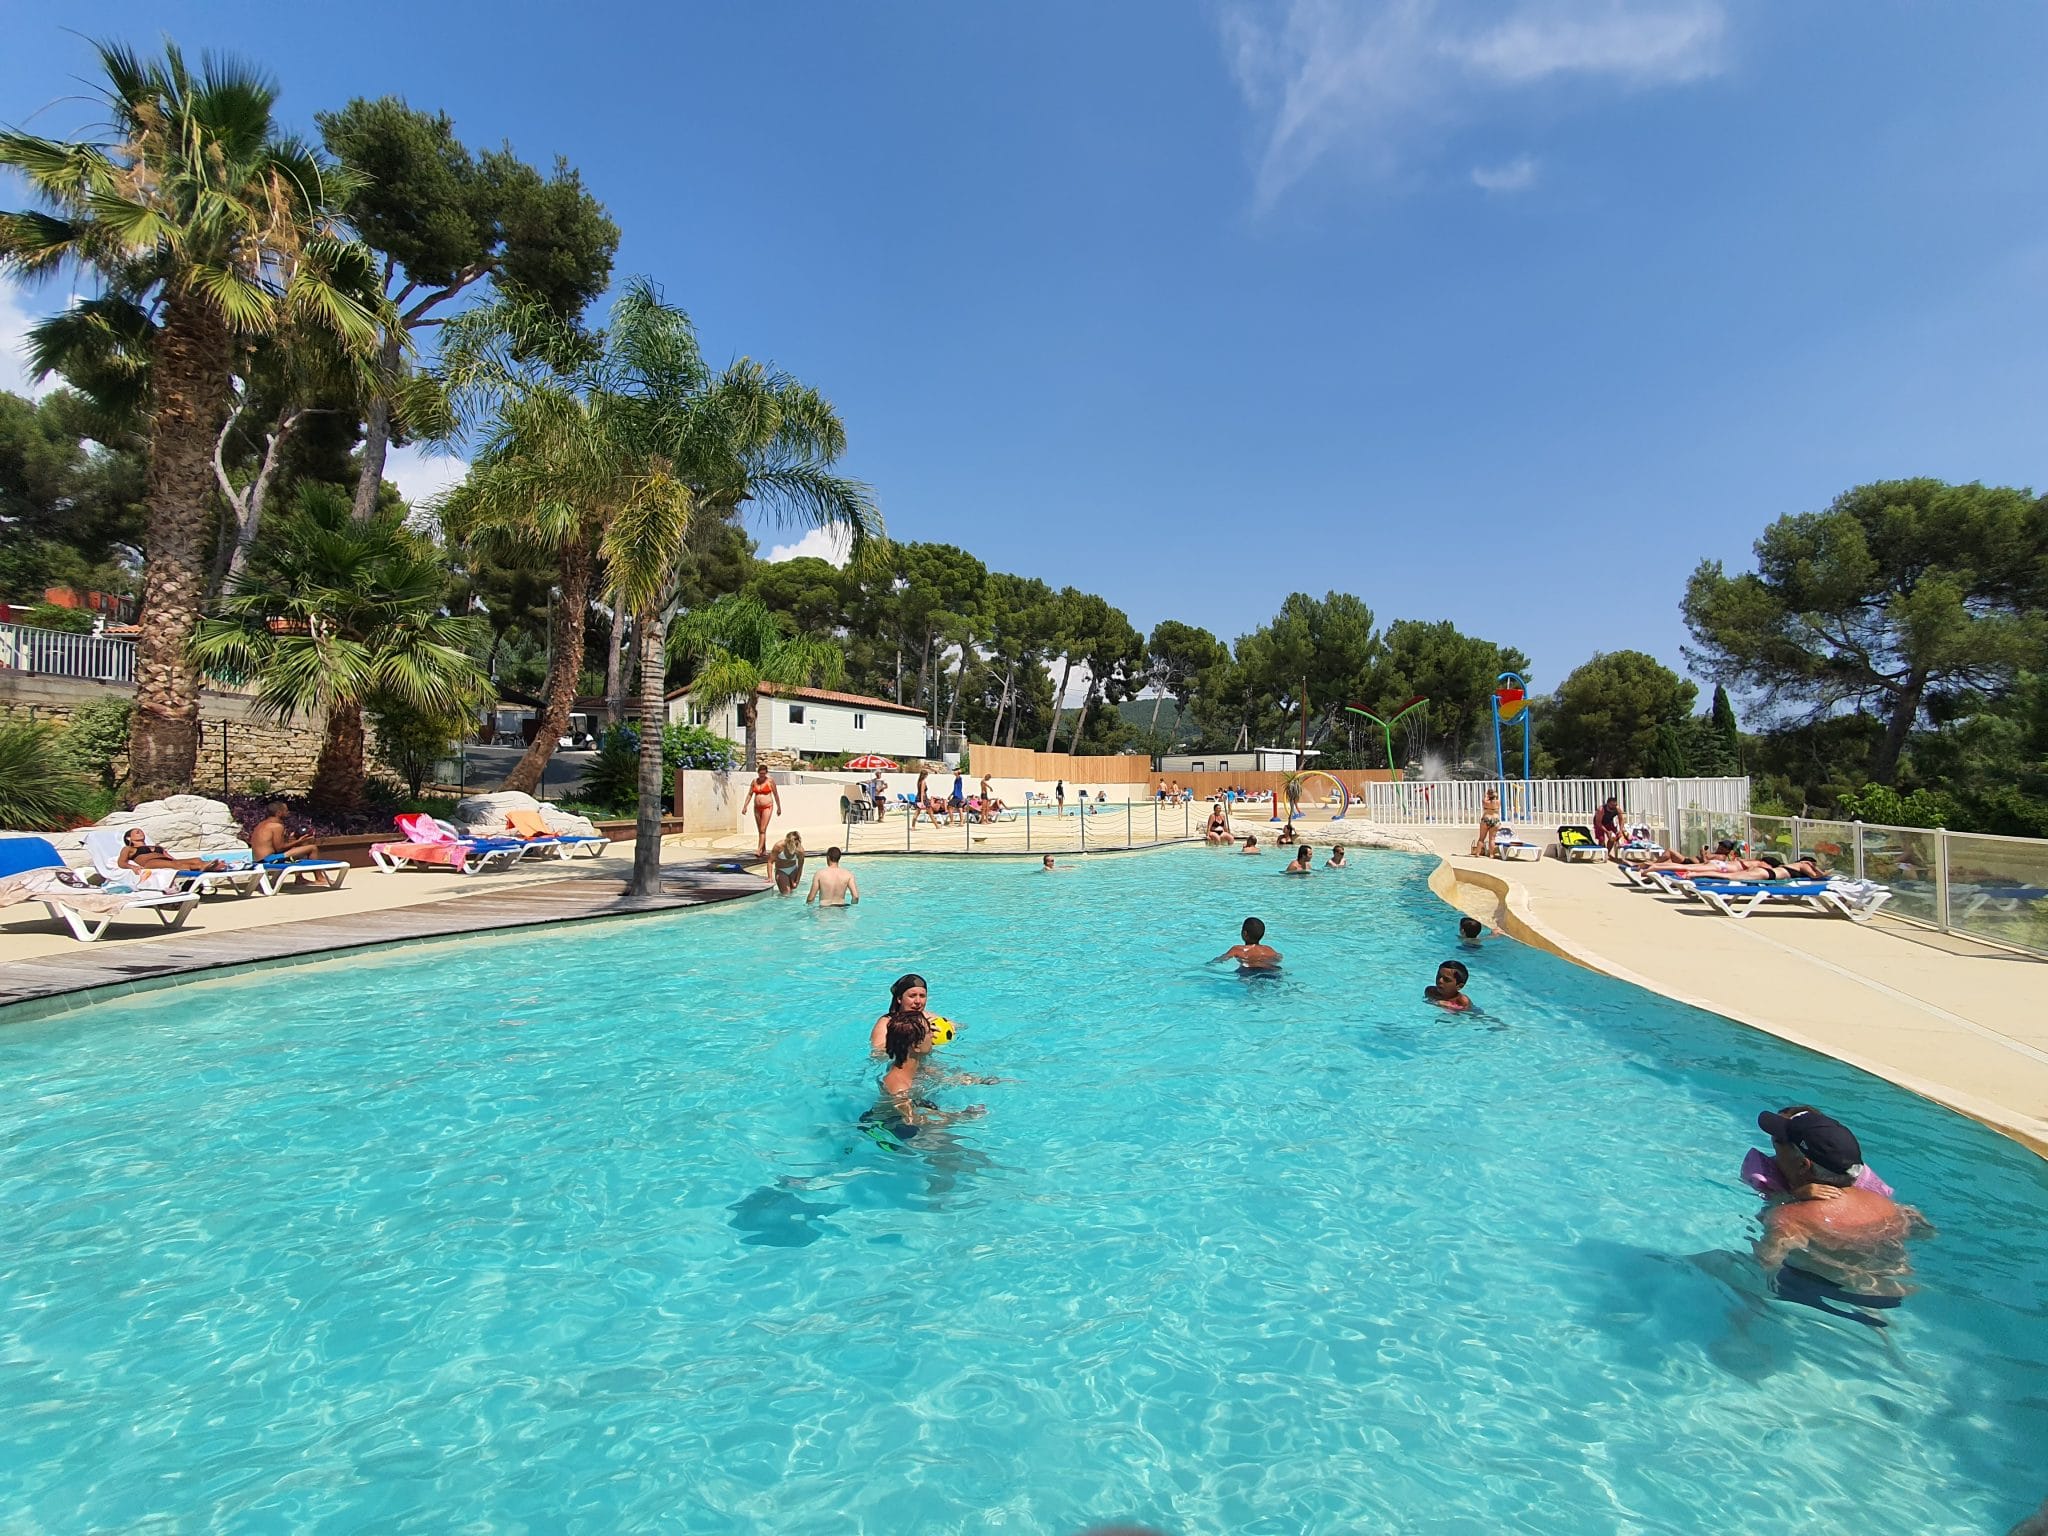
column 1254, row 954
column 1469, row 931
column 1449, row 991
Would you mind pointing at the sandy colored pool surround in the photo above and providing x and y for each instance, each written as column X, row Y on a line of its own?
column 1960, row 1023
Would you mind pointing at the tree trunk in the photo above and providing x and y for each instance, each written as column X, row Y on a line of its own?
column 377, row 435
column 995, row 732
column 1157, row 697
column 565, row 667
column 959, row 684
column 1081, row 720
column 750, row 712
column 189, row 389
column 650, row 630
column 338, row 776
column 1053, row 733
column 1884, row 768
column 611, row 668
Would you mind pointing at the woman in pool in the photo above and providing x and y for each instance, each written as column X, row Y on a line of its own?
column 1286, row 837
column 767, row 805
column 789, row 864
column 907, row 998
column 1336, row 859
column 1251, row 843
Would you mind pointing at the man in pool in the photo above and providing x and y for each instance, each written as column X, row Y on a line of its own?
column 1336, row 859
column 1449, row 991
column 833, row 886
column 1049, row 866
column 1254, row 954
column 1850, row 1247
column 1818, row 1157
column 1300, row 866
column 1251, row 843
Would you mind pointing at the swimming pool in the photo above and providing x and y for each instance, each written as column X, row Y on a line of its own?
column 575, row 1232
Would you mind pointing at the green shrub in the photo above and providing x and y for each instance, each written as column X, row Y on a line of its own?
column 414, row 740
column 612, row 780
column 97, row 735
column 1885, row 806
column 41, row 790
column 70, row 621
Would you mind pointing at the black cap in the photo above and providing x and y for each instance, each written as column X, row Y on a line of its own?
column 1826, row 1143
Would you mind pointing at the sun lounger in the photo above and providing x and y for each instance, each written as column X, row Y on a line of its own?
column 531, row 824
column 103, row 845
column 271, row 873
column 1856, row 900
column 1576, row 844
column 32, row 870
column 546, row 846
column 1508, row 846
column 427, row 843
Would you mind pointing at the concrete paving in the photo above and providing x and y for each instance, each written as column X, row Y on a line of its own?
column 1960, row 1022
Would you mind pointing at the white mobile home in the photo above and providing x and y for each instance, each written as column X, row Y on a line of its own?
column 815, row 722
column 1244, row 760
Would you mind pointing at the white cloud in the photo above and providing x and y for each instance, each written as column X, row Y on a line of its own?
column 832, row 545
column 419, row 474
column 1518, row 175
column 15, row 319
column 1368, row 80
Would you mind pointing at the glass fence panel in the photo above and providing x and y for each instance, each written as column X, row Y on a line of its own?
column 1831, row 843
column 1998, row 889
column 1771, row 834
column 1903, row 858
column 1702, row 829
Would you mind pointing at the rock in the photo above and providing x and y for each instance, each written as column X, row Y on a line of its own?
column 1352, row 834
column 487, row 813
column 184, row 823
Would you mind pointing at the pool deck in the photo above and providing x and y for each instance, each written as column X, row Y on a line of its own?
column 1959, row 1022
column 46, row 969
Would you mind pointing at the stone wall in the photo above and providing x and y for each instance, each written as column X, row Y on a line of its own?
column 238, row 747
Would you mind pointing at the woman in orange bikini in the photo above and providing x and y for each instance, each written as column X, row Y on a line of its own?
column 767, row 805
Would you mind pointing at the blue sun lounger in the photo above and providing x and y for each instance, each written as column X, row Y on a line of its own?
column 1855, row 900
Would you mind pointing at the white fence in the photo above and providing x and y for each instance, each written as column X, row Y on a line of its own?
column 53, row 652
column 1542, row 805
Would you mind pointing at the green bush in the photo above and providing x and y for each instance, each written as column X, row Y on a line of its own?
column 613, row 778
column 1885, row 806
column 98, row 734
column 41, row 789
column 70, row 621
column 414, row 740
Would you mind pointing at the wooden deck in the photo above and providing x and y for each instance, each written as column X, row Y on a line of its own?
column 91, row 974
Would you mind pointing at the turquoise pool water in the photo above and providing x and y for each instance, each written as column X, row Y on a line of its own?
column 575, row 1233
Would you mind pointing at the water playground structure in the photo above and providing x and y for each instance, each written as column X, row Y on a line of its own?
column 1511, row 704
column 1343, row 792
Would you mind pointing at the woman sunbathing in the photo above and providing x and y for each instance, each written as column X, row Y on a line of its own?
column 138, row 852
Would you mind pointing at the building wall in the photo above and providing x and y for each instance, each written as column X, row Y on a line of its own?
column 825, row 727
column 238, row 747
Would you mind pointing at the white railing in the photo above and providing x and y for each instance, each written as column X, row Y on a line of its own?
column 1540, row 806
column 56, row 653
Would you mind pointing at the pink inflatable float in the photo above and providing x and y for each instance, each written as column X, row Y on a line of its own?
column 1760, row 1173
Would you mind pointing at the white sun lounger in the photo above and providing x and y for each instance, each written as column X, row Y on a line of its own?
column 22, row 858
column 272, row 873
column 103, row 844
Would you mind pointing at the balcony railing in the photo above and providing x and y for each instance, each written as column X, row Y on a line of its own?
column 57, row 653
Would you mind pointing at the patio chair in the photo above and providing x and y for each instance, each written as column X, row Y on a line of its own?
column 32, row 870
column 1577, row 845
column 103, row 846
column 428, row 843
column 534, row 823
column 1506, row 845
column 271, row 873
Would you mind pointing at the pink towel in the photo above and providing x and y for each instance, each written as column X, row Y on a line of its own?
column 423, row 829
column 446, row 852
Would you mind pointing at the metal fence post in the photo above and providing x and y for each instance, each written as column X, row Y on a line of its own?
column 1027, row 822
column 1856, row 839
column 1155, row 821
column 909, row 825
column 1796, row 839
column 223, row 757
column 1941, row 878
column 1083, row 813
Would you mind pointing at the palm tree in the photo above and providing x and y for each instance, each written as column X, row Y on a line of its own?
column 693, row 443
column 545, row 476
column 742, row 647
column 202, row 220
column 340, row 616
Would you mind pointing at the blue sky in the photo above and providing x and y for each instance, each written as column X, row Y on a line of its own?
column 1499, row 312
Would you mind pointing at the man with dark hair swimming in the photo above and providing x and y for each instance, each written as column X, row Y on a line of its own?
column 1254, row 954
